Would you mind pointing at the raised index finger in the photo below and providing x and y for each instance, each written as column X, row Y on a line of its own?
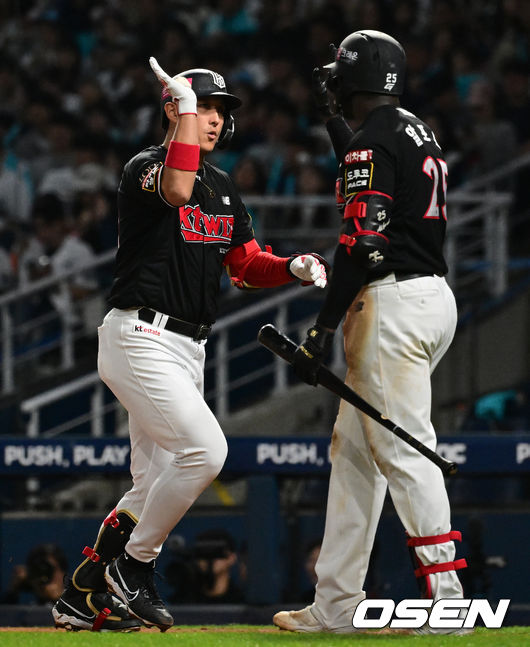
column 161, row 75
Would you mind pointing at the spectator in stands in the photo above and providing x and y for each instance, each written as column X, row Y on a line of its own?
column 310, row 559
column 514, row 106
column 41, row 576
column 205, row 574
column 311, row 179
column 7, row 274
column 517, row 411
column 95, row 218
column 16, row 187
column 466, row 68
column 514, row 100
column 492, row 140
column 513, row 31
column 506, row 410
column 405, row 20
column 111, row 70
column 87, row 171
column 371, row 15
column 12, row 91
column 216, row 560
column 55, row 249
column 249, row 177
column 312, row 552
column 230, row 17
column 58, row 160
column 453, row 117
column 89, row 95
column 57, row 79
column 279, row 151
column 30, row 136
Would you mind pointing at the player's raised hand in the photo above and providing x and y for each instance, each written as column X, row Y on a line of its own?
column 319, row 89
column 310, row 268
column 178, row 87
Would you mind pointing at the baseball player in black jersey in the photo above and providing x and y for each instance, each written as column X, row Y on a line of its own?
column 388, row 279
column 181, row 224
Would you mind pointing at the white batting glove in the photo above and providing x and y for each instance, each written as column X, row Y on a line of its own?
column 309, row 269
column 178, row 87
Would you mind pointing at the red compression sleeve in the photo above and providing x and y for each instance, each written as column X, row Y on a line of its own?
column 249, row 266
column 183, row 157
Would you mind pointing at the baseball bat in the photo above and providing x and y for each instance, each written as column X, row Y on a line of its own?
column 284, row 347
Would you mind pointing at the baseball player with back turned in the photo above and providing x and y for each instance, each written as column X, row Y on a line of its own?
column 181, row 222
column 388, row 278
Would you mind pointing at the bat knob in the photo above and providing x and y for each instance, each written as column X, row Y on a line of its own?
column 451, row 469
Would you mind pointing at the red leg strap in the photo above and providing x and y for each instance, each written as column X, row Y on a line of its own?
column 112, row 520
column 423, row 570
column 349, row 241
column 435, row 539
column 91, row 553
column 102, row 616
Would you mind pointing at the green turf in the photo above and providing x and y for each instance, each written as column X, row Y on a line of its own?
column 252, row 636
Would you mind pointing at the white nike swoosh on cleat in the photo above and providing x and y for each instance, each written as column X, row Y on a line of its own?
column 130, row 595
column 83, row 615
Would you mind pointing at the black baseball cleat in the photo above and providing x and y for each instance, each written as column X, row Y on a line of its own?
column 94, row 611
column 132, row 581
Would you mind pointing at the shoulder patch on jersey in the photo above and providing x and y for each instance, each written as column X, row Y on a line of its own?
column 358, row 178
column 361, row 155
column 148, row 177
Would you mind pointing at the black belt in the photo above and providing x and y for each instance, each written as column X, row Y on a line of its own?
column 196, row 331
column 403, row 276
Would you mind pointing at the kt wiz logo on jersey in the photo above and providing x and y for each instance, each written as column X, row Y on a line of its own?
column 197, row 226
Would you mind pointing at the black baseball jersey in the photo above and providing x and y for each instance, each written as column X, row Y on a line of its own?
column 395, row 153
column 170, row 258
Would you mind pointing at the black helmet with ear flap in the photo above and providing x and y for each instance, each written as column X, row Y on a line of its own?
column 206, row 83
column 367, row 61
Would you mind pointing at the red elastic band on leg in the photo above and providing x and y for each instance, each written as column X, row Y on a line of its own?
column 423, row 570
column 349, row 241
column 91, row 553
column 102, row 616
column 183, row 157
column 355, row 210
column 434, row 539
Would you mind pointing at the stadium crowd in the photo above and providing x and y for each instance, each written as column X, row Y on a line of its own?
column 78, row 98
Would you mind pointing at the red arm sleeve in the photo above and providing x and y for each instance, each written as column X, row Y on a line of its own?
column 250, row 267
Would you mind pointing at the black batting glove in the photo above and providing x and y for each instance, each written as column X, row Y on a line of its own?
column 308, row 357
column 320, row 92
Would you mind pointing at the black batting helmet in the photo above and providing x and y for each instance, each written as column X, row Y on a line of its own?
column 206, row 83
column 367, row 61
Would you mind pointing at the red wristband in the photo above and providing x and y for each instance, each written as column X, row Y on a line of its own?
column 184, row 157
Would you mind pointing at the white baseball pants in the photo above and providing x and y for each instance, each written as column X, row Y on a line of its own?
column 177, row 445
column 395, row 334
